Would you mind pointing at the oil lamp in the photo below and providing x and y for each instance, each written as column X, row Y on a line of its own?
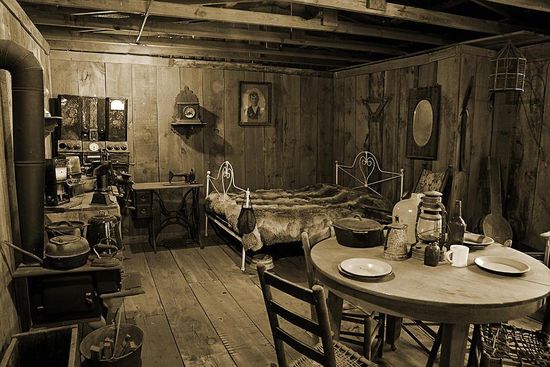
column 431, row 222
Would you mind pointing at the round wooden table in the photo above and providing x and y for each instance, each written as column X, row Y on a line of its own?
column 454, row 297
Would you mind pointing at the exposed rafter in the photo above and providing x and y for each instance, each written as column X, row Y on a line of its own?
column 181, row 52
column 246, row 17
column 419, row 15
column 194, row 48
column 540, row 5
column 129, row 26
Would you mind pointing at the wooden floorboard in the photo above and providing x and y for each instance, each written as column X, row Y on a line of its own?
column 201, row 310
column 198, row 342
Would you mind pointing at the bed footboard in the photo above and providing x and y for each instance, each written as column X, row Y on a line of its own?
column 367, row 164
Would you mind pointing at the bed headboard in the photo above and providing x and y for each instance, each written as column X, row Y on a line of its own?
column 224, row 180
column 367, row 164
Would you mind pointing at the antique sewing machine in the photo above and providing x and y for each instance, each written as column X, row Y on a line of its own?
column 187, row 177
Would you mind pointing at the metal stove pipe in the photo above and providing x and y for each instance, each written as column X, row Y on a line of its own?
column 28, row 142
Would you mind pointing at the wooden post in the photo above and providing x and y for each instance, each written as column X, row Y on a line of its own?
column 376, row 4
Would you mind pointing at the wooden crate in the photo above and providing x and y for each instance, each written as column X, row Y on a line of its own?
column 53, row 347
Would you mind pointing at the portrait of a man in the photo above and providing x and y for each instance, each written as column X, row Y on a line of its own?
column 254, row 103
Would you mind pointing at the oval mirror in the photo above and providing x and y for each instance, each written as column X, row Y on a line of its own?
column 423, row 122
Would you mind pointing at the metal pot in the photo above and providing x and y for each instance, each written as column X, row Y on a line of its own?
column 358, row 232
column 70, row 227
column 66, row 252
column 104, row 227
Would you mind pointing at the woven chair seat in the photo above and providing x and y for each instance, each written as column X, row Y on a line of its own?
column 507, row 345
column 345, row 357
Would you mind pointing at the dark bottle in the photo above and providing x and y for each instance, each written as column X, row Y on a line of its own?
column 456, row 226
column 431, row 254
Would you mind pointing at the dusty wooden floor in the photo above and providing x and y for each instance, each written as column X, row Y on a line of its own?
column 199, row 309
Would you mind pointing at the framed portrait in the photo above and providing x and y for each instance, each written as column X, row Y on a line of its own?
column 254, row 103
column 423, row 122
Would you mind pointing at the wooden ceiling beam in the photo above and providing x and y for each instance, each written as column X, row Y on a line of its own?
column 165, row 9
column 203, row 46
column 539, row 5
column 208, row 31
column 417, row 15
column 179, row 52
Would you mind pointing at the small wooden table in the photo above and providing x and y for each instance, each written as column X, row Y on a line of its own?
column 80, row 207
column 454, row 297
column 186, row 215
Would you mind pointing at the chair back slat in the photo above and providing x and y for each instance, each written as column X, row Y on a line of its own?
column 299, row 346
column 296, row 319
column 308, row 241
column 294, row 290
column 315, row 297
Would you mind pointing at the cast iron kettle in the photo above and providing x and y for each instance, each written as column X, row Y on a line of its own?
column 66, row 252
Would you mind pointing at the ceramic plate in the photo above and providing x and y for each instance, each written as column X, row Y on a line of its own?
column 363, row 267
column 502, row 265
column 473, row 239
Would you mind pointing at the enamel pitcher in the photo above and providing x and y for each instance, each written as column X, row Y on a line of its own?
column 396, row 245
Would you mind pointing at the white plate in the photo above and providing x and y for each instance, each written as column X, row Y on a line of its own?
column 474, row 239
column 502, row 265
column 363, row 267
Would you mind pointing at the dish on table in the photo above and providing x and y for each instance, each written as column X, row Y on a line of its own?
column 502, row 265
column 364, row 267
column 474, row 239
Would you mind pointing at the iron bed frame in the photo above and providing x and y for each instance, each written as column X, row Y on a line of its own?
column 365, row 161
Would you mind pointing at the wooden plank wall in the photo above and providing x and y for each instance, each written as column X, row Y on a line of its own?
column 263, row 156
column 450, row 68
column 525, row 140
column 22, row 32
column 293, row 151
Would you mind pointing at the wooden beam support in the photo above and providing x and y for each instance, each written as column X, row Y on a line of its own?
column 330, row 18
column 129, row 26
column 13, row 7
column 418, row 15
column 376, row 4
column 119, row 45
column 207, row 46
column 163, row 61
column 539, row 5
column 165, row 9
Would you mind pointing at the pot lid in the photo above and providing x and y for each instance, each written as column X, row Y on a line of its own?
column 357, row 224
column 65, row 239
column 67, row 245
column 65, row 224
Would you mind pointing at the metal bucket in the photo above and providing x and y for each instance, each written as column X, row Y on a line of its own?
column 130, row 359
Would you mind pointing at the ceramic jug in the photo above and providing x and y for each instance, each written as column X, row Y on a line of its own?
column 406, row 211
column 396, row 245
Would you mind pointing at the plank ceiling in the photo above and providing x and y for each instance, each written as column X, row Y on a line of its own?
column 312, row 34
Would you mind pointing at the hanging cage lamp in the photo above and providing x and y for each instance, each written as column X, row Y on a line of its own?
column 508, row 70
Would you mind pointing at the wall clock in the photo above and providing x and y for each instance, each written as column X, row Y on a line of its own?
column 187, row 109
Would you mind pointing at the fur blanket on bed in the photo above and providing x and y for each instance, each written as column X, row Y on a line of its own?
column 282, row 215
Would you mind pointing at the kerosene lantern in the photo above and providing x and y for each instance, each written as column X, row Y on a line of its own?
column 430, row 225
column 431, row 222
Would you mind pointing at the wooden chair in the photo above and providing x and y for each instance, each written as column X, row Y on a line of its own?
column 328, row 353
column 432, row 180
column 427, row 181
column 506, row 345
column 372, row 338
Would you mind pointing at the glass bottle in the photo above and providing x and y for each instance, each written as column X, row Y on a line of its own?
column 456, row 226
column 432, row 254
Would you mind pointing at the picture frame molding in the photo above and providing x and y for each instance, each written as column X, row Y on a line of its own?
column 268, row 98
column 433, row 95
